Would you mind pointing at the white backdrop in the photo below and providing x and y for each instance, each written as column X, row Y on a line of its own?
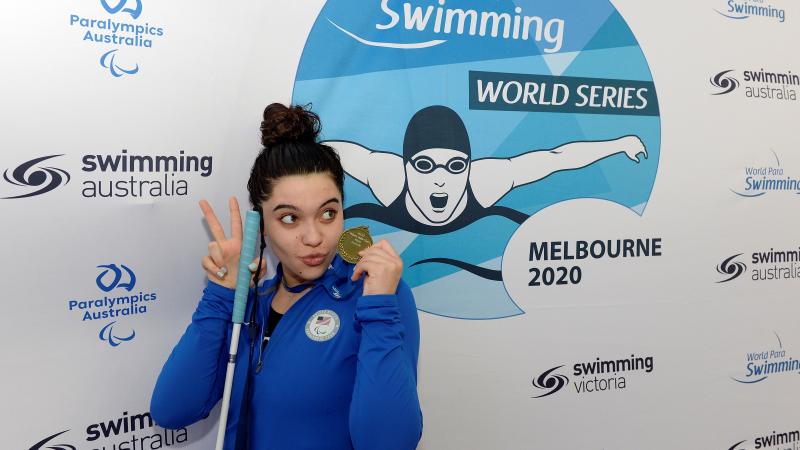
column 200, row 89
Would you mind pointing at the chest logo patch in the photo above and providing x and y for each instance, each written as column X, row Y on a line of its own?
column 322, row 325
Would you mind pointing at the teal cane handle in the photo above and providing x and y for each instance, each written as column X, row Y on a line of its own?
column 251, row 225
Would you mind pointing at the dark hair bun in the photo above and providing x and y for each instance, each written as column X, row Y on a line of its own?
column 288, row 123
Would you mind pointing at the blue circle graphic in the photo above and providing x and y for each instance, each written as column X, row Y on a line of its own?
column 445, row 112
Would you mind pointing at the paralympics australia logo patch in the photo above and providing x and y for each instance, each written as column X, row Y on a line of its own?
column 122, row 34
column 457, row 122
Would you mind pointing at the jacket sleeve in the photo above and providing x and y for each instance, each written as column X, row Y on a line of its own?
column 384, row 410
column 192, row 379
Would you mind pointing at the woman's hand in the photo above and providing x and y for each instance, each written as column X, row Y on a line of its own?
column 222, row 262
column 382, row 267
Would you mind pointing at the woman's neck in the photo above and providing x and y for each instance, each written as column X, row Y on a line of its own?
column 290, row 289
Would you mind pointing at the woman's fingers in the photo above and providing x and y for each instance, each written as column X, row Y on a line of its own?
column 213, row 223
column 213, row 269
column 384, row 244
column 236, row 218
column 215, row 251
column 372, row 262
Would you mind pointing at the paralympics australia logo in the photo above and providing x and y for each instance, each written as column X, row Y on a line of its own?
column 108, row 60
column 767, row 361
column 122, row 6
column 116, row 281
column 34, row 178
column 592, row 376
column 113, row 277
column 127, row 36
column 471, row 120
column 769, row 176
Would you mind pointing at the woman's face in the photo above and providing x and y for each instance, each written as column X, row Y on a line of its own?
column 303, row 221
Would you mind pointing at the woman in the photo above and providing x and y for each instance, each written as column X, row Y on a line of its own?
column 330, row 358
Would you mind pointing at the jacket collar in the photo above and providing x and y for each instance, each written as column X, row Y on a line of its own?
column 335, row 281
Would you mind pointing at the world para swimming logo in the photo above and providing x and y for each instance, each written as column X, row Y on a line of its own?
column 457, row 123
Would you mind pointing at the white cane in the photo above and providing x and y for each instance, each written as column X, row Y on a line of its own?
column 251, row 225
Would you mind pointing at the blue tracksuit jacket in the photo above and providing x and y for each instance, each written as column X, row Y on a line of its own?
column 338, row 373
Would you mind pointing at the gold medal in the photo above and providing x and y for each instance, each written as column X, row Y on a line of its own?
column 353, row 241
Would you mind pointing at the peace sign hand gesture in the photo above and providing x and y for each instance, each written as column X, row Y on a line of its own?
column 222, row 262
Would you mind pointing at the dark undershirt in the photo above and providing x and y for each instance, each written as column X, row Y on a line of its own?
column 272, row 321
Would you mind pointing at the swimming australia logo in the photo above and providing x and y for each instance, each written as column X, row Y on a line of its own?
column 768, row 360
column 767, row 177
column 550, row 382
column 322, row 325
column 726, row 83
column 738, row 10
column 773, row 440
column 731, row 269
column 132, row 431
column 766, row 265
column 41, row 444
column 114, row 175
column 116, row 281
column 594, row 376
column 758, row 84
column 108, row 60
column 107, row 334
column 129, row 38
column 134, row 12
column 470, row 157
column 36, row 179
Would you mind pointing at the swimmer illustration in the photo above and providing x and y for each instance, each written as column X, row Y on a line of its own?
column 435, row 187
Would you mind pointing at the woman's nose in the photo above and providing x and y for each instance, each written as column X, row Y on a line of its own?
column 312, row 235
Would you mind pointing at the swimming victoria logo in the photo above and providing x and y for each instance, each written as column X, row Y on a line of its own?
column 761, row 84
column 589, row 377
column 122, row 35
column 128, row 431
column 120, row 300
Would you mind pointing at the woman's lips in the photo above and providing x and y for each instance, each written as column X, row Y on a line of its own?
column 313, row 260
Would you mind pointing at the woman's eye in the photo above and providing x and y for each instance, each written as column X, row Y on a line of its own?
column 329, row 214
column 288, row 219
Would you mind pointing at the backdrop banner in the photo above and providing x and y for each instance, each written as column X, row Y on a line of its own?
column 594, row 202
